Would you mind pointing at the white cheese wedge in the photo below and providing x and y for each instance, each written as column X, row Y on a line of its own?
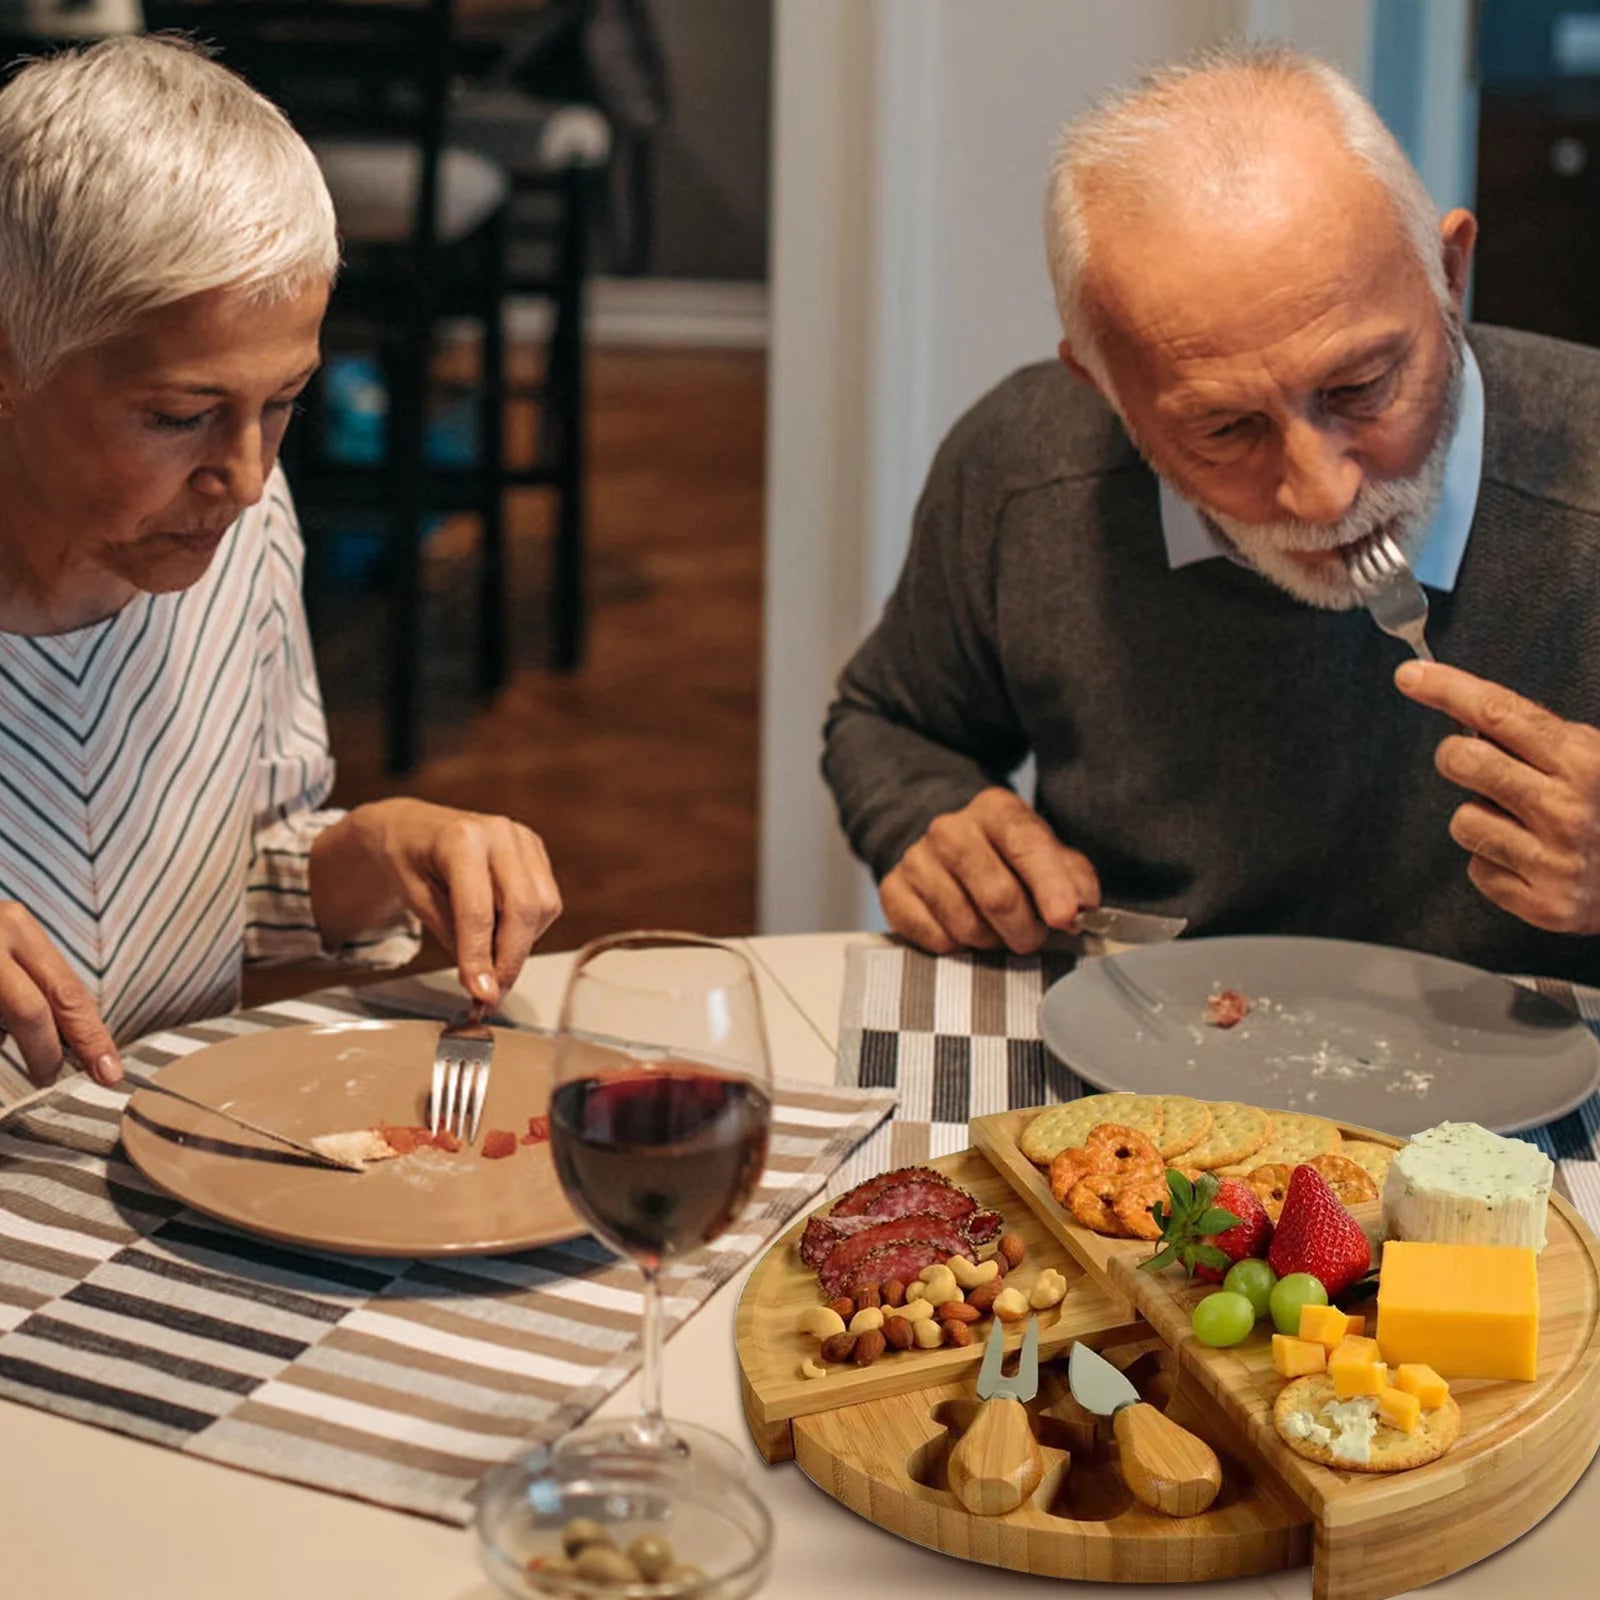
column 1460, row 1184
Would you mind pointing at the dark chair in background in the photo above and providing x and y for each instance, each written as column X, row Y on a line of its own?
column 422, row 227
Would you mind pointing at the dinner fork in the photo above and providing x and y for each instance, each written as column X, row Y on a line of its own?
column 1390, row 593
column 461, row 1062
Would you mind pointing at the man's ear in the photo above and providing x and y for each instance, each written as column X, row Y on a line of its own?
column 1458, row 234
column 1074, row 366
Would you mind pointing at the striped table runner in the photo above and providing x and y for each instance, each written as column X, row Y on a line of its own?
column 958, row 1037
column 399, row 1382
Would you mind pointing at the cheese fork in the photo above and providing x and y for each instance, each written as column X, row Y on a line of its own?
column 996, row 1463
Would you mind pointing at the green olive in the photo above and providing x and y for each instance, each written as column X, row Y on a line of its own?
column 652, row 1555
column 580, row 1533
column 683, row 1577
column 603, row 1563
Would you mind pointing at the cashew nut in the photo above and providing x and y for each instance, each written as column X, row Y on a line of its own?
column 1049, row 1289
column 916, row 1291
column 822, row 1321
column 927, row 1333
column 939, row 1285
column 867, row 1319
column 969, row 1274
column 917, row 1310
column 1010, row 1305
column 810, row 1369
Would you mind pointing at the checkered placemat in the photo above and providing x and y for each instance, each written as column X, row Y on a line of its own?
column 957, row 1037
column 400, row 1382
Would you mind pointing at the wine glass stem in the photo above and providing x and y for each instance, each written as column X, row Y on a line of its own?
column 652, row 1427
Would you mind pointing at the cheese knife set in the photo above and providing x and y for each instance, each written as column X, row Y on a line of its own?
column 1125, row 1448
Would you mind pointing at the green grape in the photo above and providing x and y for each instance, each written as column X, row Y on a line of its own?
column 1254, row 1280
column 1289, row 1294
column 1223, row 1318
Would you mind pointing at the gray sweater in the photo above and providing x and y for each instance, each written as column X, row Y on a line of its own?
column 1214, row 746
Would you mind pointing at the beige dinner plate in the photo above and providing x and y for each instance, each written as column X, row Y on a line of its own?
column 314, row 1080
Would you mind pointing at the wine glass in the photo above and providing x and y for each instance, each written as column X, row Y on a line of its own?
column 658, row 1126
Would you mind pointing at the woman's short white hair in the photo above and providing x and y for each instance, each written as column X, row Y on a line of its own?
column 1209, row 106
column 136, row 173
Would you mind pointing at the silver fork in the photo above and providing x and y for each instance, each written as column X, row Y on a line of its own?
column 1395, row 599
column 461, row 1062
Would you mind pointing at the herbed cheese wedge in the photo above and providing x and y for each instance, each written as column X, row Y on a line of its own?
column 1460, row 1184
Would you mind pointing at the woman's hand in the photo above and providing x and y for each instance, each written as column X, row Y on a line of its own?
column 483, row 886
column 44, row 1006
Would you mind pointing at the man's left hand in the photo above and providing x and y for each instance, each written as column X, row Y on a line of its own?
column 1534, row 835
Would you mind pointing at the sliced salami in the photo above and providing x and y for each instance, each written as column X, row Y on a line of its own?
column 823, row 1233
column 859, row 1201
column 905, row 1259
column 840, row 1269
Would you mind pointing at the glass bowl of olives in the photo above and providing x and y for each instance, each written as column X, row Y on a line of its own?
column 620, row 1525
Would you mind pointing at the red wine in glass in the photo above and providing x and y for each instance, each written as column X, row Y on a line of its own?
column 659, row 1159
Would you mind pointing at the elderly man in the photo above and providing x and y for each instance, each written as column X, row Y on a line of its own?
column 1130, row 565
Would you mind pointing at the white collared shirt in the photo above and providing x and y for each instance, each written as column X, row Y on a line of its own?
column 1190, row 538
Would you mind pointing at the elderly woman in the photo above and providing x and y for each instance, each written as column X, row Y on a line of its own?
column 167, row 249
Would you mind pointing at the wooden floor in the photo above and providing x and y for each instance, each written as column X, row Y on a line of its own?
column 639, row 770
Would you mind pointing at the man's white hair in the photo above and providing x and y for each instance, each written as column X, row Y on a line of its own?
column 1216, row 109
column 137, row 173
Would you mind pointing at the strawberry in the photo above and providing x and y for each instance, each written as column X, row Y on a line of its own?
column 1316, row 1234
column 1193, row 1223
column 1239, row 1243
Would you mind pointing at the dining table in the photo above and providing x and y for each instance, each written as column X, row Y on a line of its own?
column 85, row 1511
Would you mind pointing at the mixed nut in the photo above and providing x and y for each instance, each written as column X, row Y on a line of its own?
column 937, row 1310
column 590, row 1555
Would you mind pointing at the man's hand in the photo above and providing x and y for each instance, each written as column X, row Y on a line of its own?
column 482, row 885
column 989, row 875
column 1535, row 845
column 44, row 1007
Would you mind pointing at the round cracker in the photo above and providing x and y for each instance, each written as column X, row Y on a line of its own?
column 1295, row 1138
column 1351, row 1183
column 1185, row 1121
column 1065, row 1127
column 1237, row 1131
column 1373, row 1159
column 1392, row 1450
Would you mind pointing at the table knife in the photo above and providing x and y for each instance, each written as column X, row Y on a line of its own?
column 1127, row 927
column 140, row 1081
column 1164, row 1466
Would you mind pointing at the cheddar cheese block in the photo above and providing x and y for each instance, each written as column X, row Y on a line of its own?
column 1466, row 1310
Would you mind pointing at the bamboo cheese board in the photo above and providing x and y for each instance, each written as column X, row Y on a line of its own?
column 1522, row 1445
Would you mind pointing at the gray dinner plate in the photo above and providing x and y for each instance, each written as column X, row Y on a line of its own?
column 1390, row 1039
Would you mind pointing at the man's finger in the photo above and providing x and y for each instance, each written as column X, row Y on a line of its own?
column 1519, row 725
column 1492, row 836
column 30, row 1022
column 78, row 1025
column 464, row 866
column 910, row 918
column 941, row 892
column 1516, row 788
column 1510, row 892
column 1060, row 880
column 522, row 912
column 998, row 895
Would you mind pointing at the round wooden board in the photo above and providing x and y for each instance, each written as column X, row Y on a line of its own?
column 885, row 1459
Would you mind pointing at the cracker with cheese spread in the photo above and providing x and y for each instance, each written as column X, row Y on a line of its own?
column 1340, row 1438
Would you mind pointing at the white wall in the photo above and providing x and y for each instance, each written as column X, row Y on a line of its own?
column 911, row 143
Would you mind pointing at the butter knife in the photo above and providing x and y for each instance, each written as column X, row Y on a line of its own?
column 1126, row 927
column 140, row 1081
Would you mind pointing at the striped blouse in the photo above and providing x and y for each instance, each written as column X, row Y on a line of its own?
column 162, row 777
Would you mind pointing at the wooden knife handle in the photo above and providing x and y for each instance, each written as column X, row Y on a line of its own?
column 1165, row 1466
column 996, row 1463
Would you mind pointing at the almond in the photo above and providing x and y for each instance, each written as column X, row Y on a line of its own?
column 897, row 1333
column 869, row 1347
column 957, row 1311
column 894, row 1293
column 868, row 1295
column 956, row 1333
column 844, row 1307
column 981, row 1299
column 1012, row 1248
column 838, row 1348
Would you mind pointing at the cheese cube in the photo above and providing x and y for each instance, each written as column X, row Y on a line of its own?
column 1415, row 1377
column 1466, row 1310
column 1357, row 1325
column 1324, row 1325
column 1399, row 1409
column 1295, row 1358
column 1353, row 1375
column 1353, row 1347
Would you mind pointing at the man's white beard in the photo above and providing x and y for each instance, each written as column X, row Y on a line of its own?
column 1403, row 507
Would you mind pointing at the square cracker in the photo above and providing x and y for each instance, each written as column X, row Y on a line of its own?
column 1185, row 1121
column 1391, row 1451
column 1065, row 1127
column 1236, row 1133
column 1295, row 1138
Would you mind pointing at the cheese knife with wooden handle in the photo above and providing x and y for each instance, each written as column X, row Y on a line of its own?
column 996, row 1464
